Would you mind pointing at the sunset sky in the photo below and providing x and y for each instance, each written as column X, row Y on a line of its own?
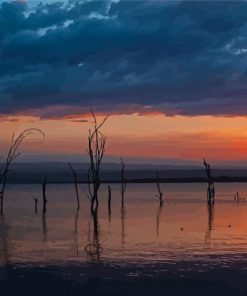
column 171, row 74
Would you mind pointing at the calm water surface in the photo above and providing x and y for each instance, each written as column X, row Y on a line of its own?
column 141, row 232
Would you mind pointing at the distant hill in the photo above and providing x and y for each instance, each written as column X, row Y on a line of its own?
column 58, row 172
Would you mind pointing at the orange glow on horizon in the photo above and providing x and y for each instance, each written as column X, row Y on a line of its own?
column 151, row 136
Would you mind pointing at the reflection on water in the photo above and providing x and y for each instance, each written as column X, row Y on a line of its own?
column 158, row 219
column 4, row 242
column 94, row 247
column 210, row 208
column 75, row 244
column 44, row 226
column 122, row 224
column 185, row 227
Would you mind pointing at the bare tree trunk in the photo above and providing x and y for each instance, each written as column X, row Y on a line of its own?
column 211, row 189
column 4, row 181
column 109, row 200
column 96, row 199
column 123, row 181
column 76, row 185
column 1, row 201
column 44, row 194
column 1, row 205
column 160, row 193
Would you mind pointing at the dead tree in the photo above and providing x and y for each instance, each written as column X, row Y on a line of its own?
column 211, row 189
column 12, row 155
column 76, row 185
column 123, row 180
column 96, row 150
column 44, row 194
column 160, row 193
column 109, row 200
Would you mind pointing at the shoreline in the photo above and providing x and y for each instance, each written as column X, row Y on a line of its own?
column 145, row 181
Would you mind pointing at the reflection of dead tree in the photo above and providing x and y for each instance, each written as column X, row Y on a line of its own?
column 96, row 149
column 158, row 220
column 211, row 189
column 35, row 204
column 109, row 202
column 4, row 242
column 76, row 232
column 123, row 224
column 12, row 155
column 210, row 220
column 94, row 248
column 160, row 193
column 123, row 180
column 44, row 194
column 44, row 226
column 210, row 216
column 76, row 184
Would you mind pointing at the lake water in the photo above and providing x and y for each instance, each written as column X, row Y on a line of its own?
column 141, row 232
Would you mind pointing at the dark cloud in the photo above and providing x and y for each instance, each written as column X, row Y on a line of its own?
column 179, row 57
column 79, row 120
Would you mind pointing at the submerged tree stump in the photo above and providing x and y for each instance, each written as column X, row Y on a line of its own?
column 44, row 194
column 109, row 199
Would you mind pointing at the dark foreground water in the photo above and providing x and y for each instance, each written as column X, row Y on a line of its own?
column 185, row 245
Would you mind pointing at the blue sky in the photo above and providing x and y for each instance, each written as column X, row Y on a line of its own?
column 179, row 57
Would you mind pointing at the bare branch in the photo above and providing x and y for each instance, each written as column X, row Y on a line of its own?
column 13, row 154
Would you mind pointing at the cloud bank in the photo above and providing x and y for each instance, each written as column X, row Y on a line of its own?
column 177, row 57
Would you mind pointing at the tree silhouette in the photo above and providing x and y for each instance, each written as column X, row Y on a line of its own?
column 109, row 201
column 12, row 154
column 96, row 150
column 211, row 189
column 160, row 193
column 76, row 184
column 44, row 183
column 123, row 180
